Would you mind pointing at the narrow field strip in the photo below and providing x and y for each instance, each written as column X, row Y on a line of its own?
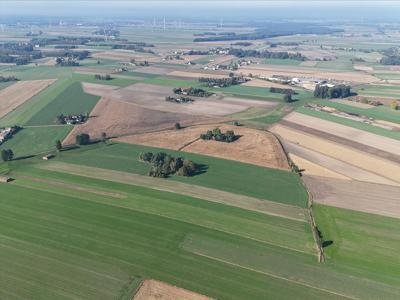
column 245, row 202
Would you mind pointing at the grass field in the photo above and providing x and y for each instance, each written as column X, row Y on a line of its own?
column 114, row 81
column 34, row 140
column 72, row 243
column 284, row 62
column 363, row 244
column 359, row 125
column 226, row 175
column 379, row 112
column 385, row 91
column 171, row 81
column 72, row 100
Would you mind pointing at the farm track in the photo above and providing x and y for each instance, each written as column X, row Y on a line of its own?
column 346, row 142
column 213, row 195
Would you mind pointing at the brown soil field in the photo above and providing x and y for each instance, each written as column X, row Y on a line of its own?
column 270, row 70
column 363, row 68
column 334, row 165
column 126, row 56
column 354, row 157
column 310, row 168
column 360, row 136
column 153, row 70
column 98, row 89
column 197, row 74
column 20, row 92
column 360, row 196
column 118, row 118
column 156, row 290
column 352, row 103
column 254, row 146
column 153, row 97
column 202, row 193
column 264, row 83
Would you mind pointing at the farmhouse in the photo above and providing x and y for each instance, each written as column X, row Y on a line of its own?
column 5, row 179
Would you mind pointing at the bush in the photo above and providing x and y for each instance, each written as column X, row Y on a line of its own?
column 82, row 139
column 7, row 154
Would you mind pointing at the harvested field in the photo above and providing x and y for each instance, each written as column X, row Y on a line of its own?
column 188, row 74
column 363, row 68
column 20, row 92
column 196, row 191
column 153, row 97
column 361, row 196
column 263, row 84
column 118, row 118
column 354, row 157
column 126, row 56
column 309, row 168
column 98, row 89
column 270, row 70
column 156, row 290
column 253, row 147
column 345, row 170
column 360, row 136
column 353, row 103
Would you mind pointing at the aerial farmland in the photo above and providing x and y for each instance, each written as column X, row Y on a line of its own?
column 163, row 158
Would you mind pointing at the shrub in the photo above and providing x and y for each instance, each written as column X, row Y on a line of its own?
column 82, row 139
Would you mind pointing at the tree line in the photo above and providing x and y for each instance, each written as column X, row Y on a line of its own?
column 191, row 91
column 337, row 91
column 222, row 82
column 238, row 52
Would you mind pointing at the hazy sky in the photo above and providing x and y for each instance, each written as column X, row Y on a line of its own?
column 260, row 10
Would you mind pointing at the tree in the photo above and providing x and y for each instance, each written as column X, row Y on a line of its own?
column 82, row 139
column 287, row 98
column 7, row 154
column 58, row 145
column 103, row 137
column 177, row 126
column 394, row 105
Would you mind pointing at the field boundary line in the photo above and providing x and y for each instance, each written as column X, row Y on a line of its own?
column 273, row 275
column 314, row 228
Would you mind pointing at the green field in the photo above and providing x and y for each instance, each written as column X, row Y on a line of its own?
column 385, row 91
column 284, row 62
column 72, row 100
column 114, row 81
column 264, row 183
column 34, row 140
column 363, row 244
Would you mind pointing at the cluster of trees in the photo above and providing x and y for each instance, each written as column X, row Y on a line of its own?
column 71, row 119
column 222, row 82
column 7, row 154
column 103, row 77
column 66, row 62
column 244, row 44
column 132, row 47
column 266, row 54
column 191, row 91
column 271, row 30
column 182, row 99
column 164, row 165
column 216, row 134
column 83, row 139
column 107, row 32
column 140, row 63
column 8, row 78
column 391, row 56
column 337, row 91
column 65, row 40
column 282, row 91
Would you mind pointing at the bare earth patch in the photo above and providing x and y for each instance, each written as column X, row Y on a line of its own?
column 98, row 89
column 371, row 163
column 118, row 118
column 152, row 96
column 20, row 92
column 270, row 70
column 346, row 132
column 361, row 196
column 254, row 146
column 156, row 290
